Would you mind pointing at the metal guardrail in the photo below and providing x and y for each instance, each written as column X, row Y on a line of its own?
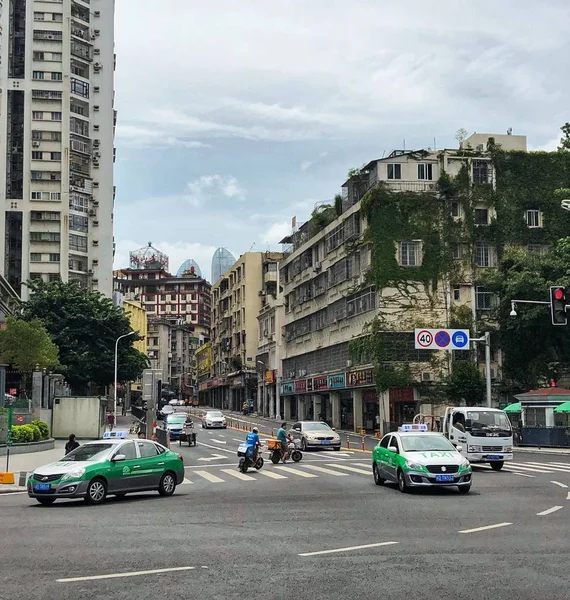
column 545, row 437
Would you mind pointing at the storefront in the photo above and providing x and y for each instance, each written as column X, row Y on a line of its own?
column 403, row 406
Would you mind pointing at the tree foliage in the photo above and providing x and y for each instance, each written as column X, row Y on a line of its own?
column 465, row 383
column 85, row 325
column 25, row 345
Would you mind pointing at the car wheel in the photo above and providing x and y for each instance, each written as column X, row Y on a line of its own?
column 497, row 465
column 465, row 489
column 96, row 491
column 377, row 479
column 304, row 445
column 46, row 501
column 167, row 484
column 402, row 485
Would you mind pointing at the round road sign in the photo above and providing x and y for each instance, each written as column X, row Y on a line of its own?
column 459, row 339
column 425, row 338
column 442, row 338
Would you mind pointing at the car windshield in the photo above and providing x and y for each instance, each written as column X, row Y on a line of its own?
column 88, row 452
column 488, row 420
column 176, row 419
column 426, row 443
column 316, row 427
column 214, row 415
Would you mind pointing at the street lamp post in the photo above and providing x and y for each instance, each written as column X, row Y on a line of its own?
column 116, row 361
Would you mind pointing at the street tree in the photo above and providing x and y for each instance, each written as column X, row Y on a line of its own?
column 535, row 351
column 26, row 346
column 85, row 325
column 465, row 383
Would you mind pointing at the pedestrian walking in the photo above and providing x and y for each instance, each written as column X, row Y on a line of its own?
column 71, row 444
column 111, row 421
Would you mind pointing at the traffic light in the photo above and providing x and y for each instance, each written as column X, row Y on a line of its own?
column 558, row 305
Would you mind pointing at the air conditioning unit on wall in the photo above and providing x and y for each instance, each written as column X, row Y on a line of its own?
column 428, row 376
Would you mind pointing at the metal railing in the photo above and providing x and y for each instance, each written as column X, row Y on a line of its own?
column 545, row 437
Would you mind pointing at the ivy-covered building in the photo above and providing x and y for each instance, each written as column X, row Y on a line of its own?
column 406, row 245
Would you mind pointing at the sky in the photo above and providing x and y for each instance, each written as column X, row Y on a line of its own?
column 235, row 116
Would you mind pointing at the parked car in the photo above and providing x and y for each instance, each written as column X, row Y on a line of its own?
column 176, row 402
column 110, row 466
column 214, row 418
column 315, row 434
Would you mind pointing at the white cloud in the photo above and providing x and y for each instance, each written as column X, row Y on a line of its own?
column 549, row 146
column 206, row 186
column 277, row 232
column 145, row 137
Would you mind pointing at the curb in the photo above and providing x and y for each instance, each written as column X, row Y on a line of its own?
column 12, row 490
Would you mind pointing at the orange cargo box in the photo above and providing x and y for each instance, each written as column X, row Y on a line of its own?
column 274, row 445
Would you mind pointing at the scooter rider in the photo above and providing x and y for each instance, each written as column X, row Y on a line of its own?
column 284, row 438
column 252, row 441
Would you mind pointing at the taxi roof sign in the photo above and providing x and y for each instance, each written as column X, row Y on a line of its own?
column 111, row 435
column 413, row 427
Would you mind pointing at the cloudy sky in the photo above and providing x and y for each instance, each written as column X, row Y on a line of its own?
column 235, row 115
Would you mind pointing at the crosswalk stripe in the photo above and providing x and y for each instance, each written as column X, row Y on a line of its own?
column 352, row 469
column 561, row 464
column 521, row 474
column 365, row 465
column 327, row 471
column 209, row 476
column 272, row 475
column 551, row 466
column 238, row 475
column 295, row 472
column 531, row 469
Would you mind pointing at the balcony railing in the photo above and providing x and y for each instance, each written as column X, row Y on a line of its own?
column 411, row 186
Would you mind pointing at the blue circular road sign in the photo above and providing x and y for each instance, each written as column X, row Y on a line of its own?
column 459, row 339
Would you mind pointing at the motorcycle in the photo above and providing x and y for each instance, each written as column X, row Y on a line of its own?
column 250, row 456
column 277, row 454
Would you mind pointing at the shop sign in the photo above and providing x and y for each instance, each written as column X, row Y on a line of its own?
column 362, row 377
column 237, row 382
column 269, row 377
column 320, row 383
column 337, row 381
column 203, row 386
column 401, row 394
column 301, row 386
column 287, row 389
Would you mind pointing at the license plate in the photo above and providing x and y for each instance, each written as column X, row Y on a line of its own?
column 494, row 457
column 325, row 442
column 444, row 478
column 42, row 487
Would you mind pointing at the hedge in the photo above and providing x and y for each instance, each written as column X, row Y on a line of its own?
column 34, row 432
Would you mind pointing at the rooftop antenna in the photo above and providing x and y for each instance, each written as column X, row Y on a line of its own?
column 404, row 144
column 251, row 247
column 434, row 144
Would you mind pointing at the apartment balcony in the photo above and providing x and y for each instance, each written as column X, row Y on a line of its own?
column 82, row 34
column 84, row 168
column 411, row 186
column 270, row 276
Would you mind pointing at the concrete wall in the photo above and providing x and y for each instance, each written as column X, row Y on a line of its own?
column 83, row 416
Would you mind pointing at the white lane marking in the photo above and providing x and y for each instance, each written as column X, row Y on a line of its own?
column 365, row 465
column 272, row 475
column 11, row 493
column 209, row 476
column 560, row 464
column 531, row 469
column 214, row 457
column 295, row 472
column 327, row 471
column 476, row 529
column 521, row 474
column 352, row 469
column 129, row 574
column 562, row 485
column 219, row 441
column 186, row 481
column 568, row 497
column 215, row 447
column 552, row 468
column 237, row 440
column 348, row 548
column 548, row 511
column 238, row 475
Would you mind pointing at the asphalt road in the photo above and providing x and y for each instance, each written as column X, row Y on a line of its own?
column 256, row 537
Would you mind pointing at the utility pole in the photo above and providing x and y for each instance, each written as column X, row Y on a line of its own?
column 486, row 339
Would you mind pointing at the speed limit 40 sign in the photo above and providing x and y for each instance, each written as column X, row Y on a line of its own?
column 441, row 339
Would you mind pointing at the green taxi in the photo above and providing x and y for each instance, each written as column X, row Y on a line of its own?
column 413, row 457
column 114, row 466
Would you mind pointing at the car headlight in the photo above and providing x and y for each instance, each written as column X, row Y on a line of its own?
column 413, row 465
column 508, row 448
column 75, row 474
column 473, row 448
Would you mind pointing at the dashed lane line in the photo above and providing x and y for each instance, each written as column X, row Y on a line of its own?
column 327, row 471
column 485, row 528
column 348, row 549
column 129, row 574
column 521, row 474
column 562, row 485
column 549, row 511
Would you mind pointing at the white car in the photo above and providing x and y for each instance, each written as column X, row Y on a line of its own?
column 214, row 418
column 315, row 434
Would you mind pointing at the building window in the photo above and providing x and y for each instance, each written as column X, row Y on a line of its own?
column 481, row 171
column 425, row 171
column 532, row 218
column 35, row 257
column 535, row 417
column 37, row 175
column 39, row 16
column 77, row 242
column 79, row 203
column 57, row 56
column 44, row 236
column 54, row 277
column 485, row 300
column 410, row 254
column 455, row 209
column 540, row 249
column 56, row 76
column 484, row 255
column 456, row 294
column 37, row 115
column 394, row 171
column 37, row 155
column 56, row 116
column 78, row 223
column 481, row 216
column 54, row 258
column 37, row 74
column 81, row 88
column 39, row 55
column 55, row 155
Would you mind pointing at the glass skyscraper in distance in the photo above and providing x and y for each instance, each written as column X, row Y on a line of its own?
column 222, row 260
column 186, row 265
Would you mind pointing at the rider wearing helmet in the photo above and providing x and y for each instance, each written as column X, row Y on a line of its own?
column 252, row 442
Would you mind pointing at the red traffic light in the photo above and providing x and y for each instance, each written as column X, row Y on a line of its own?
column 559, row 294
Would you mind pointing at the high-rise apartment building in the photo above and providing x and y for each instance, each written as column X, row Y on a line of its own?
column 57, row 125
